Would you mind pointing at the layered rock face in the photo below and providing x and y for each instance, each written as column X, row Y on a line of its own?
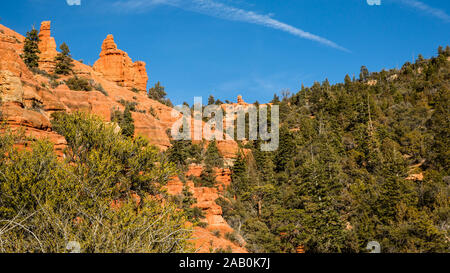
column 47, row 46
column 115, row 65
column 19, row 91
column 11, row 89
column 204, row 238
column 28, row 100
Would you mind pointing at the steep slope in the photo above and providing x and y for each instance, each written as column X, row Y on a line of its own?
column 29, row 98
column 213, row 237
column 113, row 69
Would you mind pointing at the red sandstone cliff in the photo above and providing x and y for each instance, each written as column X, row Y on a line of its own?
column 47, row 46
column 212, row 237
column 115, row 65
column 28, row 100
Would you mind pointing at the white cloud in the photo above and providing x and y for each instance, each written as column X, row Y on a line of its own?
column 73, row 2
column 220, row 10
column 438, row 13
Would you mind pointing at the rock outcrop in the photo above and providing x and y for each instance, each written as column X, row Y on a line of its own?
column 47, row 46
column 114, row 68
column 115, row 65
column 240, row 100
column 211, row 237
column 28, row 99
column 11, row 89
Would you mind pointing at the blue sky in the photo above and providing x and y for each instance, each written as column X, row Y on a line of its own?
column 232, row 47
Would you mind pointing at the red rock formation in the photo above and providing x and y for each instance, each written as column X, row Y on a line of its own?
column 115, row 65
column 21, row 91
column 112, row 68
column 240, row 100
column 47, row 46
column 211, row 237
column 206, row 242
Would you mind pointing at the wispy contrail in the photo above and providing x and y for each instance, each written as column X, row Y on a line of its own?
column 220, row 10
column 438, row 13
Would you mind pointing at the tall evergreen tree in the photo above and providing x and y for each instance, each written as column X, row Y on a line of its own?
column 64, row 62
column 239, row 180
column 31, row 49
column 364, row 74
column 213, row 157
column 208, row 177
column 157, row 92
column 211, row 100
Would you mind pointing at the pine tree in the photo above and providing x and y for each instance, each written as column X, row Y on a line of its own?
column 211, row 100
column 212, row 156
column 276, row 99
column 364, row 74
column 128, row 122
column 64, row 62
column 31, row 49
column 124, row 120
column 239, row 183
column 208, row 177
column 347, row 80
column 157, row 92
column 286, row 150
column 439, row 125
column 178, row 154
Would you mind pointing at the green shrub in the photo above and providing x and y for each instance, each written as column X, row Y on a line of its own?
column 216, row 233
column 232, row 237
column 100, row 88
column 54, row 83
column 78, row 84
column 46, row 202
column 36, row 106
column 124, row 120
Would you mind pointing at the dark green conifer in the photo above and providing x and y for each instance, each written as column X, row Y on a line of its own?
column 31, row 49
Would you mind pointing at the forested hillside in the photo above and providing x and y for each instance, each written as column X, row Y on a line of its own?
column 81, row 160
column 359, row 161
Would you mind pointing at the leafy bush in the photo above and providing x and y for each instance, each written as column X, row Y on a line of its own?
column 131, row 105
column 90, row 196
column 54, row 83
